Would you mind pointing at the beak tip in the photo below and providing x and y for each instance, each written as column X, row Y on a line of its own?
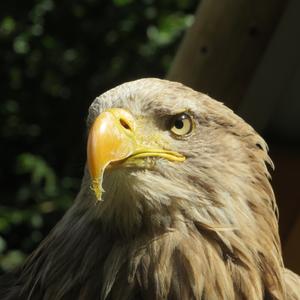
column 96, row 187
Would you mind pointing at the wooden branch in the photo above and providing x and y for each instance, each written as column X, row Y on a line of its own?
column 221, row 50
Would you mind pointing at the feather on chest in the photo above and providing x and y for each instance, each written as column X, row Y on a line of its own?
column 171, row 265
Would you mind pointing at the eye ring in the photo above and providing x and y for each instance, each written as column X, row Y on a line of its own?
column 181, row 124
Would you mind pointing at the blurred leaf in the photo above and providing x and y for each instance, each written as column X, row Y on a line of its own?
column 122, row 2
column 11, row 260
column 4, row 223
column 8, row 25
column 2, row 244
column 169, row 28
column 36, row 221
column 21, row 45
column 41, row 174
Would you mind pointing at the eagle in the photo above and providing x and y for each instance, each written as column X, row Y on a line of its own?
column 175, row 203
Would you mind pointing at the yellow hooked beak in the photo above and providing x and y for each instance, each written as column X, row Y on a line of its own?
column 112, row 138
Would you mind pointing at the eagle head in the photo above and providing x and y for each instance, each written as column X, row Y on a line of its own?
column 161, row 155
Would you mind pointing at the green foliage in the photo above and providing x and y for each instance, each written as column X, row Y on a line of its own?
column 55, row 57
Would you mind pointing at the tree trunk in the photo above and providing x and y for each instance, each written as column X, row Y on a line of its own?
column 221, row 50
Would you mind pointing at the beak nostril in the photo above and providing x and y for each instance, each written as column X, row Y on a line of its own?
column 125, row 124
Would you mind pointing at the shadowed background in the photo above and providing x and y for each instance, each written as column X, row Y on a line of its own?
column 57, row 56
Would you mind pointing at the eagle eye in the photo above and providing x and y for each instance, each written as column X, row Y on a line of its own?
column 181, row 124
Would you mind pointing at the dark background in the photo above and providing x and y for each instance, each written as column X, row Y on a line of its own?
column 55, row 58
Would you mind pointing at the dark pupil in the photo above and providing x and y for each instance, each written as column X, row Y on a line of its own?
column 178, row 124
